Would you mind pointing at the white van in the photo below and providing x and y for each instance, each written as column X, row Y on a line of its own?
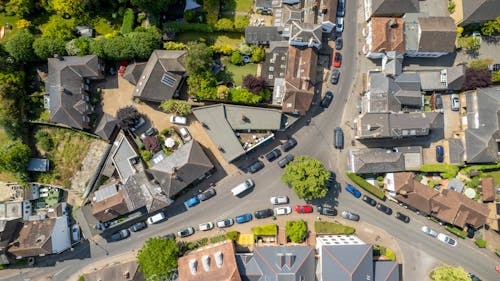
column 242, row 187
column 156, row 218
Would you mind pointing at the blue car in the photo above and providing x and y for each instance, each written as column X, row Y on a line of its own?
column 353, row 191
column 244, row 218
column 191, row 202
column 439, row 153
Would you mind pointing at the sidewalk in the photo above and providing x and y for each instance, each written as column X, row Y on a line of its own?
column 125, row 257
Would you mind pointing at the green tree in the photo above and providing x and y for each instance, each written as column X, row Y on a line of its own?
column 20, row 46
column 296, row 231
column 258, row 54
column 448, row 273
column 199, row 58
column 144, row 43
column 118, row 48
column 240, row 22
column 157, row 258
column 44, row 140
column 96, row 47
column 307, row 176
column 489, row 28
column 78, row 47
column 236, row 58
column 240, row 95
column 12, row 96
column 58, row 27
column 222, row 92
column 47, row 47
column 14, row 157
column 245, row 49
column 211, row 9
column 178, row 107
column 495, row 76
column 19, row 7
column 128, row 21
column 153, row 7
column 224, row 24
column 203, row 85
column 69, row 8
column 470, row 43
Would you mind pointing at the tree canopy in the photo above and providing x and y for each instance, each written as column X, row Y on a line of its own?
column 118, row 48
column 144, row 43
column 154, row 7
column 14, row 157
column 254, row 84
column 178, row 107
column 69, row 8
column 199, row 58
column 307, row 177
column 127, row 117
column 447, row 273
column 19, row 7
column 47, row 47
column 12, row 95
column 296, row 231
column 20, row 47
column 157, row 259
column 78, row 47
column 58, row 27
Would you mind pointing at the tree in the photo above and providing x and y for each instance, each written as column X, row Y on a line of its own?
column 47, row 47
column 178, row 107
column 254, row 84
column 307, row 177
column 258, row 54
column 14, row 157
column 96, row 47
column 20, row 47
column 58, row 27
column 78, row 47
column 19, row 7
column 224, row 24
column 245, row 49
column 154, row 7
column 118, row 48
column 128, row 21
column 203, row 85
column 489, row 28
column 222, row 92
column 476, row 79
column 144, row 43
column 296, row 231
column 470, row 43
column 69, row 8
column 127, row 117
column 240, row 22
column 199, row 58
column 240, row 95
column 44, row 140
column 157, row 259
column 236, row 58
column 495, row 78
column 12, row 96
column 151, row 143
column 447, row 273
column 211, row 9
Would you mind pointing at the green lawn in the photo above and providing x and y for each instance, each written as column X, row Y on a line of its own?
column 495, row 175
column 323, row 227
column 240, row 71
column 268, row 230
column 8, row 19
column 231, row 39
column 238, row 5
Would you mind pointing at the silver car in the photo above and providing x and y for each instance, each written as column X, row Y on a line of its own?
column 455, row 102
column 429, row 231
column 446, row 239
column 225, row 223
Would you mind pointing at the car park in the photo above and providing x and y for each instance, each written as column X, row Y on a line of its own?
column 138, row 226
column 339, row 26
column 273, row 155
column 186, row 232
column 439, row 153
column 338, row 138
column 185, row 134
column 191, row 202
column 149, row 132
column 429, row 231
column 351, row 189
column 206, row 226
column 384, row 209
column 75, row 232
column 262, row 214
column 282, row 211
column 289, row 144
column 455, row 102
column 370, row 201
column 446, row 239
column 156, row 218
column 438, row 101
column 327, row 211
column 255, row 167
column 285, row 160
column 169, row 236
column 243, row 218
column 225, row 223
column 207, row 194
column 120, row 235
column 350, row 216
column 337, row 59
column 335, row 76
column 303, row 209
column 179, row 120
column 138, row 124
column 339, row 43
column 402, row 217
column 327, row 99
column 278, row 200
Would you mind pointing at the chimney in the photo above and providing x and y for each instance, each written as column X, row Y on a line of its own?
column 193, row 264
column 290, row 259
column 393, row 23
column 218, row 259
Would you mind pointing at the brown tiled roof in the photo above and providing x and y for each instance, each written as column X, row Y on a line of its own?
column 455, row 208
column 387, row 35
column 297, row 101
column 488, row 189
column 34, row 239
column 227, row 271
column 111, row 207
column 413, row 193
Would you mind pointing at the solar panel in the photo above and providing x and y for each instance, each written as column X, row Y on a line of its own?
column 168, row 80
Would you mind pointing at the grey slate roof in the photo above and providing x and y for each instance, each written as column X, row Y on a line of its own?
column 133, row 72
column 394, row 64
column 305, row 33
column 456, row 151
column 393, row 94
column 483, row 125
column 379, row 160
column 161, row 64
column 386, row 271
column 262, row 34
column 121, row 157
column 431, row 28
column 65, row 83
column 394, row 7
column 479, row 10
column 347, row 262
column 107, row 127
column 181, row 168
column 141, row 192
column 274, row 66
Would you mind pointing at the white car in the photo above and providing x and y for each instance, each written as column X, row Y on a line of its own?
column 278, row 200
column 225, row 223
column 446, row 239
column 280, row 211
column 429, row 231
column 185, row 134
column 178, row 120
column 455, row 102
column 339, row 27
column 206, row 226
column 75, row 232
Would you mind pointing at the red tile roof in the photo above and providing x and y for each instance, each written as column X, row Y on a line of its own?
column 488, row 187
column 387, row 35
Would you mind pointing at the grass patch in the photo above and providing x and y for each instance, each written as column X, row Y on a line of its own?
column 240, row 71
column 483, row 168
column 481, row 243
column 12, row 21
column 378, row 192
column 237, row 5
column 231, row 39
column 446, row 171
column 265, row 230
column 457, row 231
column 495, row 175
column 324, row 227
column 218, row 238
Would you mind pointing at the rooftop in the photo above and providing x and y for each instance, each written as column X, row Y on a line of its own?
column 387, row 35
column 379, row 160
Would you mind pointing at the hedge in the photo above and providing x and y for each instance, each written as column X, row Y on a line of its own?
column 265, row 230
column 128, row 21
column 324, row 227
column 447, row 171
column 233, row 235
column 183, row 26
column 481, row 243
column 483, row 168
column 218, row 238
column 457, row 231
column 379, row 193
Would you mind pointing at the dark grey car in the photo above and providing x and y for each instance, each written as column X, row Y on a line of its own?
column 339, row 43
column 335, row 76
column 287, row 159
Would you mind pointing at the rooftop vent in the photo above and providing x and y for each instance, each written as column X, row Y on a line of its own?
column 393, row 23
column 205, row 261
column 193, row 264
column 218, row 259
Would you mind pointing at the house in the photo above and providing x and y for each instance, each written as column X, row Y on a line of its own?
column 295, row 263
column 474, row 11
column 109, row 202
column 285, row 15
column 8, row 229
column 413, row 193
column 448, row 78
column 482, row 123
column 213, row 262
column 41, row 237
column 38, row 165
column 163, row 76
column 134, row 71
column 274, row 65
column 456, row 150
column 107, row 127
column 348, row 258
column 68, row 86
column 382, row 35
column 185, row 166
column 117, row 271
column 305, row 35
column 328, row 14
column 380, row 160
column 262, row 35
column 488, row 187
column 386, row 8
column 420, row 33
column 123, row 159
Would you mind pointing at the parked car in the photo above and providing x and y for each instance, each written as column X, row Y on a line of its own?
column 244, row 218
column 455, row 102
column 337, row 59
column 473, row 277
column 303, row 209
column 446, row 239
column 289, row 144
column 439, row 153
column 225, row 223
column 494, row 67
column 335, row 76
column 327, row 211
column 156, row 218
column 350, row 216
column 470, row 232
column 149, row 132
column 438, row 101
column 186, row 232
column 255, row 167
column 339, row 26
column 278, row 200
column 138, row 226
column 327, row 99
column 262, row 214
column 351, row 189
column 120, row 235
column 402, row 217
column 338, row 138
column 285, row 160
column 429, row 231
column 179, row 120
column 341, row 8
column 275, row 154
column 138, row 124
column 339, row 43
column 191, row 202
column 121, row 70
column 282, row 210
column 384, row 209
column 185, row 134
column 206, row 226
column 169, row 236
column 75, row 232
column 207, row 194
column 370, row 201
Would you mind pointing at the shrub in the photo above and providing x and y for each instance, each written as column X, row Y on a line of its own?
column 379, row 193
column 179, row 107
column 258, row 54
column 324, row 227
column 224, row 25
column 390, row 254
column 380, row 178
column 457, row 231
column 23, row 24
column 447, row 171
column 296, row 231
column 183, row 26
column 167, row 131
column 128, row 21
column 44, row 140
column 140, row 18
column 481, row 243
column 218, row 238
column 236, row 58
column 170, row 45
column 81, row 278
column 265, row 230
column 233, row 235
column 240, row 22
column 146, row 155
column 480, row 64
column 212, row 9
column 451, row 7
column 380, row 184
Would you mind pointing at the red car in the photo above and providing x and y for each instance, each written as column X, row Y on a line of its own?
column 337, row 59
column 122, row 68
column 303, row 209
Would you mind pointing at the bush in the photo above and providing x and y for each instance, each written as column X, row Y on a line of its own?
column 212, row 9
column 178, row 107
column 44, row 140
column 217, row 239
column 239, row 95
column 447, row 171
column 265, row 230
column 236, row 58
column 481, row 243
column 174, row 46
column 146, row 155
column 258, row 54
column 224, row 25
column 296, row 231
column 457, row 231
column 81, row 278
column 233, row 235
column 166, row 132
column 479, row 64
column 390, row 254
column 451, row 7
column 324, row 227
column 240, row 22
column 379, row 193
column 380, row 184
column 128, row 21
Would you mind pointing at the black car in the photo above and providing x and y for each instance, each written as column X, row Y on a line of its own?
column 289, row 144
column 473, row 277
column 335, row 76
column 325, row 102
column 369, row 200
column 402, row 217
column 384, row 209
column 149, row 132
column 327, row 211
column 275, row 154
column 207, row 194
column 262, row 214
column 470, row 232
column 169, row 236
column 341, row 8
column 438, row 101
column 255, row 167
column 138, row 226
column 339, row 43
column 120, row 235
column 287, row 159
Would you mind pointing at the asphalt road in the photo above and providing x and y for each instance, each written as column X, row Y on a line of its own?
column 315, row 139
